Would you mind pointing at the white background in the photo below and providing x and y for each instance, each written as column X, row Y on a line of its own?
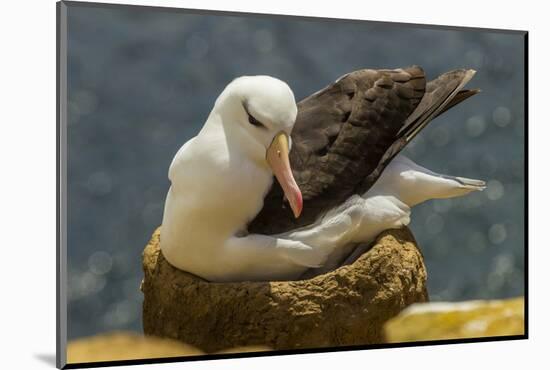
column 27, row 155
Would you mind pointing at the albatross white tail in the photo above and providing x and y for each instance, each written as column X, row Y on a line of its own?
column 414, row 184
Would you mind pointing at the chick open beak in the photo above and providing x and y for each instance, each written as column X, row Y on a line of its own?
column 277, row 158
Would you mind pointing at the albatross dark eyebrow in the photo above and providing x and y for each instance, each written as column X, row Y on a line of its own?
column 251, row 119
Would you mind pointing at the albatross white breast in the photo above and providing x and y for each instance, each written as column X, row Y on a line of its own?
column 219, row 179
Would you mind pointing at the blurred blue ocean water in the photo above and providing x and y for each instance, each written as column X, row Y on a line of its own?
column 142, row 82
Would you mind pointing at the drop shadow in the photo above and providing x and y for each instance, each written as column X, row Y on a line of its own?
column 47, row 358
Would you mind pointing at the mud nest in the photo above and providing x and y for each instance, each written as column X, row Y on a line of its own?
column 346, row 306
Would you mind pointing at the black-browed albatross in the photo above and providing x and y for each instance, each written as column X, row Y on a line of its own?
column 223, row 219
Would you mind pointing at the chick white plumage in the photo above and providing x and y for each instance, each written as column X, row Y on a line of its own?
column 387, row 205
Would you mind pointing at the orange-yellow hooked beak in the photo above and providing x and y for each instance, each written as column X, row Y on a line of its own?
column 277, row 158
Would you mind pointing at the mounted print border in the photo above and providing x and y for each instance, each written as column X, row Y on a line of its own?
column 105, row 108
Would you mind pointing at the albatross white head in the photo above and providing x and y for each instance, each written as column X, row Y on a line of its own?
column 258, row 114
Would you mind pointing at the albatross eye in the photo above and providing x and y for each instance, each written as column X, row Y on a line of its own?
column 253, row 121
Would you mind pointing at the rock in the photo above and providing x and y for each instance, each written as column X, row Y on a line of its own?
column 244, row 349
column 125, row 346
column 474, row 319
column 347, row 306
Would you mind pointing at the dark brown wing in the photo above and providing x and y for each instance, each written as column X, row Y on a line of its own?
column 340, row 134
column 441, row 94
column 345, row 135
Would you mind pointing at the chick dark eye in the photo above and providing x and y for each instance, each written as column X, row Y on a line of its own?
column 253, row 121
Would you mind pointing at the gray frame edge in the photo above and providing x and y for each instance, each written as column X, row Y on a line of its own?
column 61, row 188
column 199, row 11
